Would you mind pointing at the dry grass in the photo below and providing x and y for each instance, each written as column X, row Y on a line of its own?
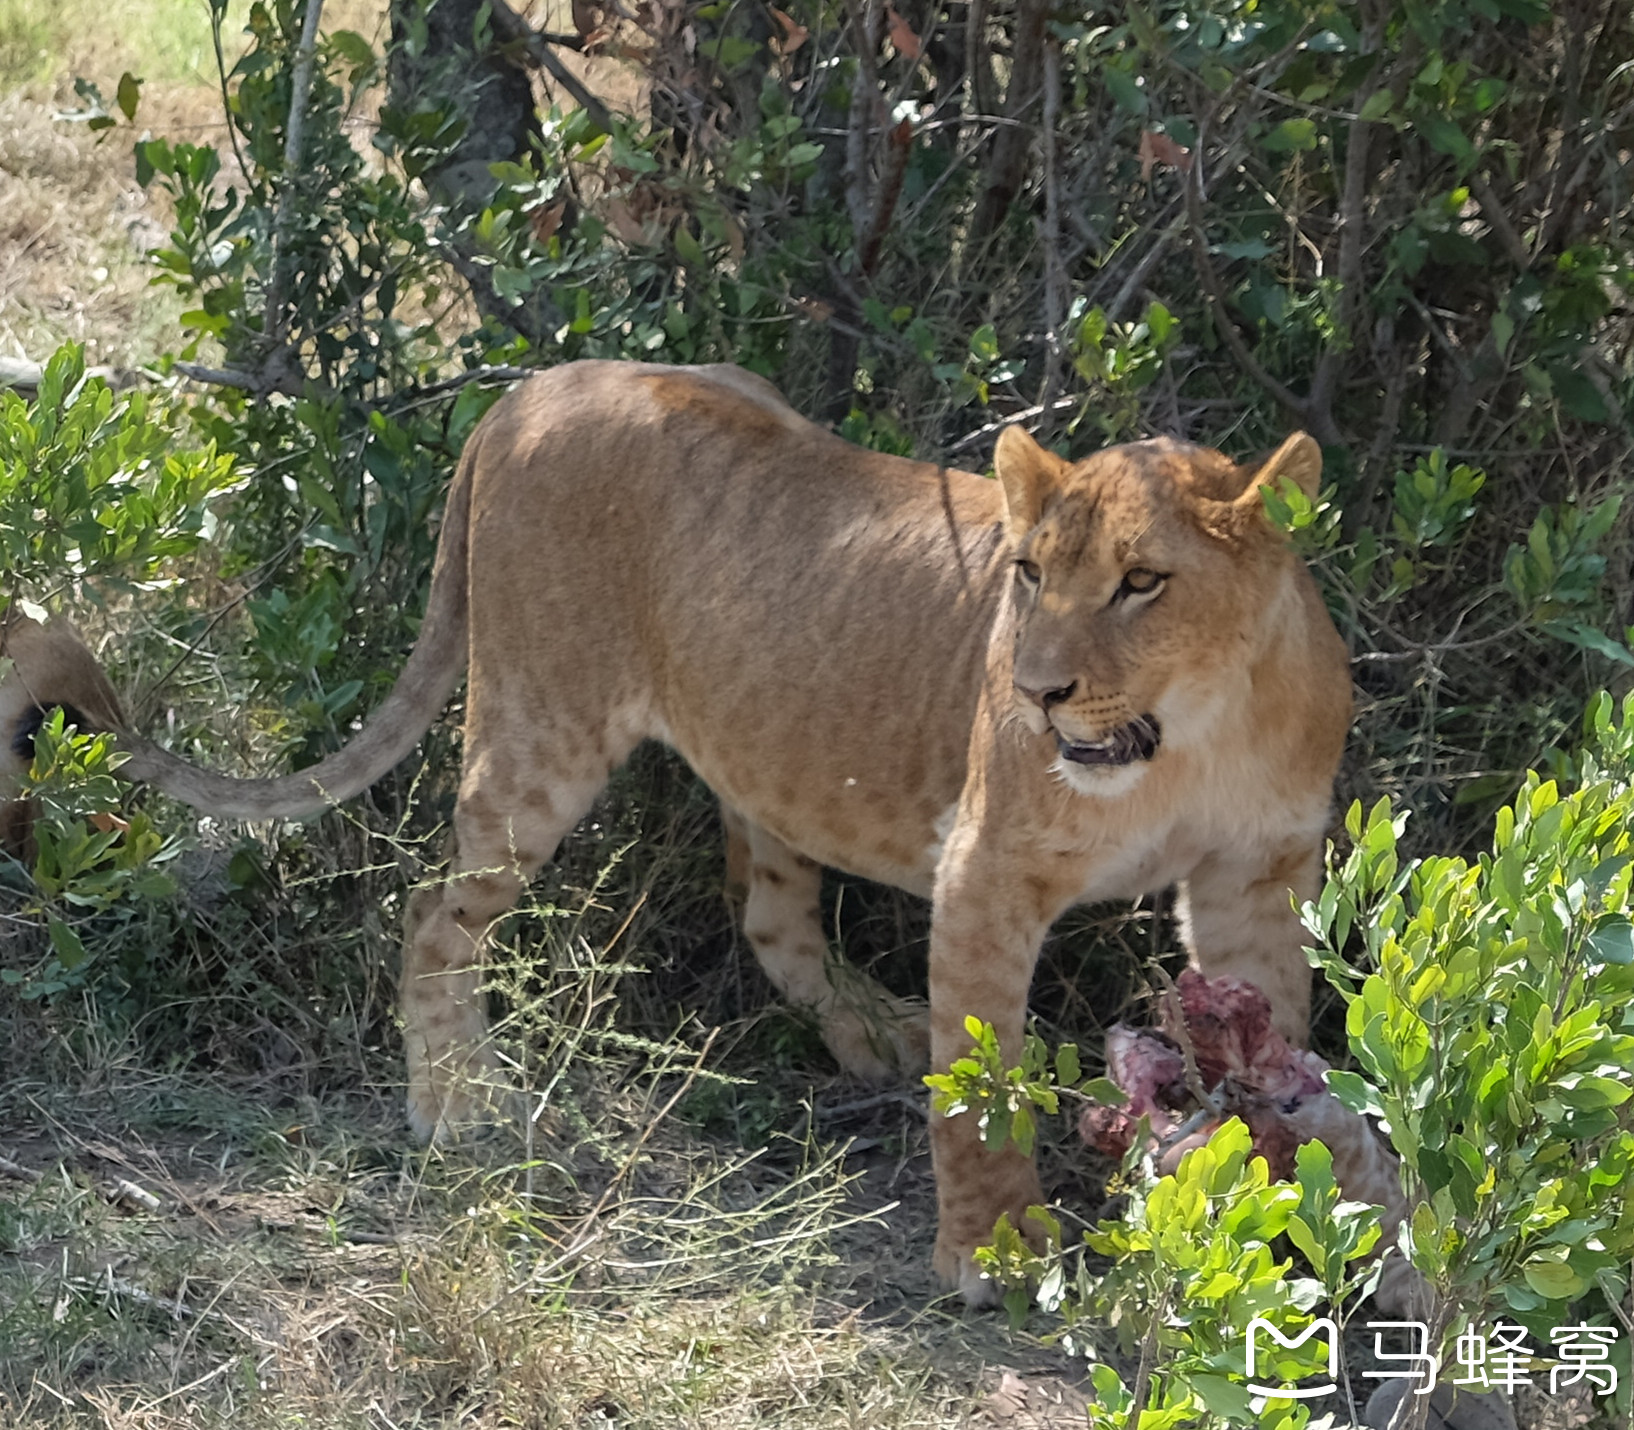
column 75, row 230
column 75, row 227
column 631, row 1262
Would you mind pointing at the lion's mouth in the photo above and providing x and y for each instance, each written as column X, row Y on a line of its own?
column 1138, row 740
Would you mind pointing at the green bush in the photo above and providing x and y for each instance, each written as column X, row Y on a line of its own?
column 1493, row 1039
column 1495, row 1034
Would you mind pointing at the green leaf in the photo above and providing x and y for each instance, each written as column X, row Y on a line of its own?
column 1291, row 136
column 1577, row 394
column 1445, row 137
column 128, row 94
column 474, row 400
column 1067, row 1070
column 688, row 249
column 69, row 948
column 1612, row 940
column 1586, row 637
column 351, row 47
column 1378, row 105
column 1251, row 249
column 1106, row 1092
column 1554, row 1280
column 1125, row 90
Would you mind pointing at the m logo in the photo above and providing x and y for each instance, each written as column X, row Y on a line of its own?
column 1289, row 1343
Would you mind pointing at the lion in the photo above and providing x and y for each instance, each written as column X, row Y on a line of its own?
column 1081, row 681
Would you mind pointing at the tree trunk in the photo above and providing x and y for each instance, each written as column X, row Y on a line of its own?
column 435, row 61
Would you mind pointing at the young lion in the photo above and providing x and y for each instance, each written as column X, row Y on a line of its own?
column 1079, row 682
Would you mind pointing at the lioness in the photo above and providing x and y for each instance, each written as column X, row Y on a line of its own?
column 1079, row 682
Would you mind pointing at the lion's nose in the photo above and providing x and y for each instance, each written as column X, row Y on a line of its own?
column 1044, row 699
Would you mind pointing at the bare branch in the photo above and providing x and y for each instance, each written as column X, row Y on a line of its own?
column 978, row 60
column 1055, row 268
column 898, row 145
column 1493, row 211
column 259, row 383
column 512, row 29
column 859, row 132
column 1007, row 165
column 8, row 1168
column 1320, row 423
column 300, row 86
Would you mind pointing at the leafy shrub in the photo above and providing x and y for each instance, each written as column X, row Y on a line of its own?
column 1493, row 1039
column 1494, row 1035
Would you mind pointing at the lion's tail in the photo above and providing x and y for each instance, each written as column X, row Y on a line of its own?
column 422, row 690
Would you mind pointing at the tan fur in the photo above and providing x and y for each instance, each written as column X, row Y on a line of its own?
column 834, row 639
column 49, row 667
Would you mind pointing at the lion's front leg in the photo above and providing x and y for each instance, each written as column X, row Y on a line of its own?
column 987, row 926
column 1237, row 917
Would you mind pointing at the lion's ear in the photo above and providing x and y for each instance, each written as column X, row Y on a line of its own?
column 1299, row 459
column 1028, row 473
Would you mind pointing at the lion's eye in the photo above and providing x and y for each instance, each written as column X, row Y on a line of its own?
column 1028, row 574
column 1139, row 582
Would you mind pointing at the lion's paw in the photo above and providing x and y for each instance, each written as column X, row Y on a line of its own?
column 880, row 1040
column 452, row 1105
column 956, row 1269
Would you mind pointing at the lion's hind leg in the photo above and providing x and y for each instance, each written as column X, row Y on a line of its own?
column 871, row 1033
column 455, row 1076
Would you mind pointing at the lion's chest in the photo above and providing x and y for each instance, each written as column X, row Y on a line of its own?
column 1160, row 832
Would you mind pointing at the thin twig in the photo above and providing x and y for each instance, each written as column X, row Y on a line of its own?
column 971, row 439
column 1055, row 268
column 300, row 88
column 652, row 1124
column 138, row 705
column 498, row 372
column 218, row 16
column 116, row 1286
column 18, row 1171
column 1206, row 1098
column 834, row 1111
column 1148, row 1361
column 513, row 29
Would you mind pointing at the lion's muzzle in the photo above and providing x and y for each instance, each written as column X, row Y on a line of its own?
column 1138, row 740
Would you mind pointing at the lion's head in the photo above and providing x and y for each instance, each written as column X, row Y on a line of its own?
column 1146, row 580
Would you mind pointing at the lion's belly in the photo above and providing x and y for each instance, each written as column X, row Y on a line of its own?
column 861, row 816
